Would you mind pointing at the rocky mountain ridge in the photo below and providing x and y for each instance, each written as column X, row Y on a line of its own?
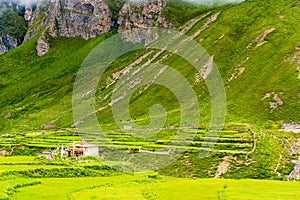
column 85, row 18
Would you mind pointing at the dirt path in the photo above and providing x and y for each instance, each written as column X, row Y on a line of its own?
column 296, row 171
column 223, row 166
column 254, row 143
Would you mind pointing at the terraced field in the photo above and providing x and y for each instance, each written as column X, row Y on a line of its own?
column 231, row 141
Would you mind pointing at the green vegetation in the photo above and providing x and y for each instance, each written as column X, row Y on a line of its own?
column 37, row 91
column 179, row 11
column 12, row 23
column 145, row 186
column 45, row 93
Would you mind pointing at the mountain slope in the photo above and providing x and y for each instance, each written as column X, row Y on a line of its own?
column 255, row 47
column 263, row 59
column 264, row 69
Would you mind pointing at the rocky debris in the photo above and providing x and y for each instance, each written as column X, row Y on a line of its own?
column 295, row 60
column 292, row 127
column 277, row 100
column 207, row 69
column 267, row 95
column 204, row 71
column 7, row 153
column 120, row 73
column 43, row 45
column 295, row 149
column 77, row 123
column 237, row 73
column 137, row 15
column 260, row 40
column 3, row 48
column 50, row 126
column 206, row 24
column 223, row 166
column 3, row 153
column 238, row 70
column 295, row 174
column 193, row 22
column 117, row 99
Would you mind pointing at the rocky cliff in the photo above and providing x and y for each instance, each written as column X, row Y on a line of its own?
column 69, row 18
column 88, row 19
column 7, row 43
column 141, row 14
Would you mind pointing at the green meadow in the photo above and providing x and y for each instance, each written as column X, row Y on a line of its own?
column 250, row 158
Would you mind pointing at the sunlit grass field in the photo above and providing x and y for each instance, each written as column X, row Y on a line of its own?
column 140, row 186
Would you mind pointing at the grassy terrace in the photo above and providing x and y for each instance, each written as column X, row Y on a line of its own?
column 233, row 141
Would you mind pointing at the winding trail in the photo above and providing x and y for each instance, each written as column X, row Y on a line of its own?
column 254, row 143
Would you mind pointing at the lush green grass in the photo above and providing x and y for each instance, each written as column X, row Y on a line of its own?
column 139, row 187
column 16, row 159
column 61, row 188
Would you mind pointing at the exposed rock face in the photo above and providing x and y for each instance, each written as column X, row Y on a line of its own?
column 7, row 43
column 38, row 19
column 292, row 127
column 28, row 13
column 141, row 14
column 43, row 45
column 70, row 18
column 89, row 19
column 85, row 18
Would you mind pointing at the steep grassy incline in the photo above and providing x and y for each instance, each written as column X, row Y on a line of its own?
column 253, row 45
column 37, row 90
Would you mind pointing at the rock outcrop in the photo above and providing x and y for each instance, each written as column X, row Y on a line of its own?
column 7, row 43
column 28, row 13
column 85, row 18
column 70, row 18
column 88, row 19
column 141, row 14
column 43, row 45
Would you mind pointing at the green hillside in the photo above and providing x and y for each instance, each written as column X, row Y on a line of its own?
column 253, row 46
column 41, row 93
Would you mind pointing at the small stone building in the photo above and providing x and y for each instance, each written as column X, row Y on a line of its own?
column 83, row 149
